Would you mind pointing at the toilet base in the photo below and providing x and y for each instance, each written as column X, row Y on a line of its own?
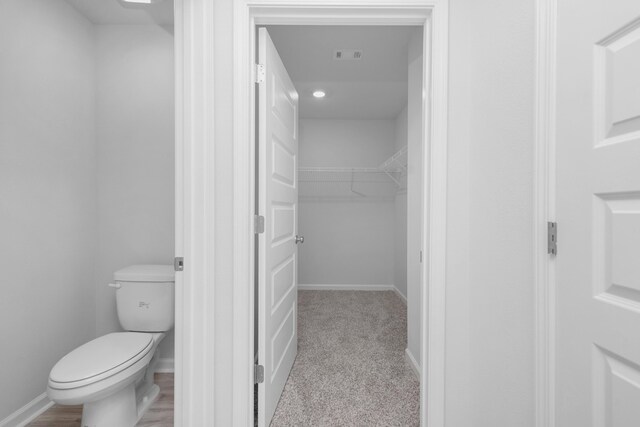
column 147, row 391
column 125, row 407
column 118, row 409
column 147, row 400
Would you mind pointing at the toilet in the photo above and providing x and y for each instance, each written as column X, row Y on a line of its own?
column 112, row 376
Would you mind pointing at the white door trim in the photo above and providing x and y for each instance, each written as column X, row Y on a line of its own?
column 194, row 213
column 545, row 210
column 433, row 15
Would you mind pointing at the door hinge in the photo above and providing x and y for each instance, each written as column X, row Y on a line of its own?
column 258, row 374
column 178, row 263
column 552, row 238
column 258, row 224
column 260, row 73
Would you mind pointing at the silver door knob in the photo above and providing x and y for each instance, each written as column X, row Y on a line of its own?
column 299, row 239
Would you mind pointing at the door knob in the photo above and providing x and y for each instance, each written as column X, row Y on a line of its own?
column 299, row 239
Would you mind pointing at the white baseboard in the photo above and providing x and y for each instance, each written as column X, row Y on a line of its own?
column 28, row 412
column 402, row 297
column 412, row 362
column 165, row 366
column 345, row 287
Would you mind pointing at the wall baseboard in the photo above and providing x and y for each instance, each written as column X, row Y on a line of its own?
column 412, row 362
column 345, row 287
column 402, row 297
column 312, row 287
column 28, row 412
column 165, row 366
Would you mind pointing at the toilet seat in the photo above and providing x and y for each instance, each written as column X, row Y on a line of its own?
column 101, row 358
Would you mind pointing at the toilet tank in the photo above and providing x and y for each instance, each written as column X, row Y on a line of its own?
column 145, row 297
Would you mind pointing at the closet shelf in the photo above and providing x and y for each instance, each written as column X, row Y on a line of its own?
column 328, row 174
column 396, row 167
column 382, row 182
column 398, row 161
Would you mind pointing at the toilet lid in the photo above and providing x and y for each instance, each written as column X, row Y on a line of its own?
column 112, row 352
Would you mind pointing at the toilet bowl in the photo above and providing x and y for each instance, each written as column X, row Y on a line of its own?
column 106, row 373
column 112, row 376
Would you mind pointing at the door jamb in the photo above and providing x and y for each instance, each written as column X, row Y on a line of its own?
column 194, row 213
column 433, row 16
column 544, row 211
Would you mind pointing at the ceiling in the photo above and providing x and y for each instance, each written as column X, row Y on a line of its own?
column 104, row 12
column 374, row 87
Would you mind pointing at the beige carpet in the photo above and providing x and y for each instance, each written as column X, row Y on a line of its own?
column 351, row 368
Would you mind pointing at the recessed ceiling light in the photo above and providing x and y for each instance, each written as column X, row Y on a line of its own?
column 319, row 94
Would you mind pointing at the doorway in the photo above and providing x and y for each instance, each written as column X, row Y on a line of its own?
column 433, row 17
column 339, row 160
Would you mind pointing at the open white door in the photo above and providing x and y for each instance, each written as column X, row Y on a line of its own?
column 598, row 213
column 278, row 203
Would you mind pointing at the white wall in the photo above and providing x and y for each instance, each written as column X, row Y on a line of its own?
column 346, row 242
column 346, row 143
column 48, row 189
column 135, row 130
column 400, row 232
column 489, row 288
column 490, row 331
column 414, row 194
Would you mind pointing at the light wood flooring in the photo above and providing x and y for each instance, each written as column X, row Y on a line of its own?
column 160, row 414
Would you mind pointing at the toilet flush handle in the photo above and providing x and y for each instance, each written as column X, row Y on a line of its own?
column 114, row 285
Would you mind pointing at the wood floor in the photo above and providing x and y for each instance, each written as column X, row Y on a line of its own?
column 160, row 414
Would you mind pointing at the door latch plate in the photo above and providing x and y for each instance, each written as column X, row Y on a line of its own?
column 552, row 238
column 258, row 224
column 258, row 374
column 178, row 263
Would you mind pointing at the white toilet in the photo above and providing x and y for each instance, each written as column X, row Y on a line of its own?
column 112, row 376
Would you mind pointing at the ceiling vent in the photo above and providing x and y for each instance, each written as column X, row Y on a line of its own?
column 347, row 54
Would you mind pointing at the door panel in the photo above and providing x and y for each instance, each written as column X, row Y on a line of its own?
column 278, row 200
column 598, row 212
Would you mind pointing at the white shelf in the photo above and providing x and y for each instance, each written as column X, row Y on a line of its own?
column 396, row 167
column 382, row 182
column 397, row 162
column 341, row 175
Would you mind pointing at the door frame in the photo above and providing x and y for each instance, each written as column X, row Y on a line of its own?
column 433, row 16
column 544, row 211
column 195, row 191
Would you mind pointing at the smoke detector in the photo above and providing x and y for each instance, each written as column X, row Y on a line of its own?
column 347, row 54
